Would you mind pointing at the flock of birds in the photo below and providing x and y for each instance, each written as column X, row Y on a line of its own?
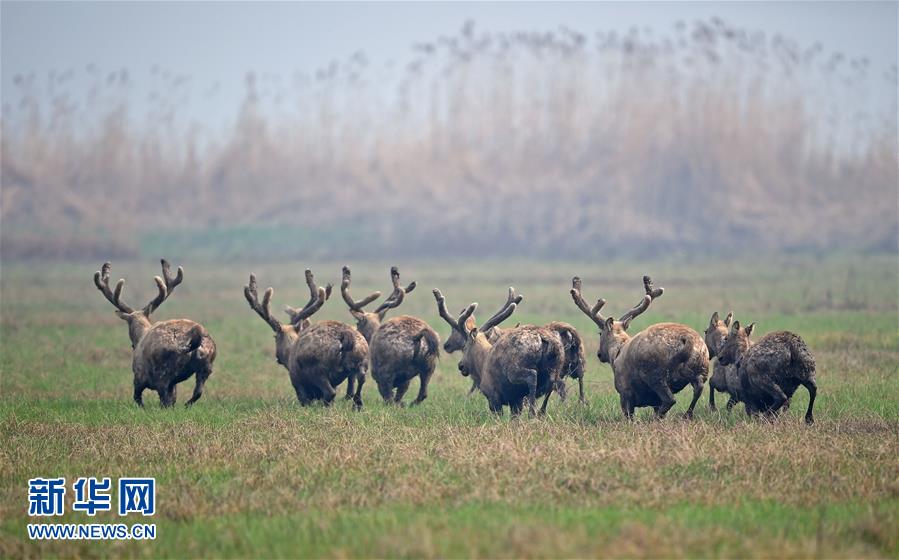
column 510, row 366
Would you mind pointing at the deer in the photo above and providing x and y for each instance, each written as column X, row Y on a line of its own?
column 525, row 362
column 770, row 370
column 317, row 356
column 652, row 365
column 457, row 338
column 574, row 362
column 724, row 378
column 401, row 348
column 165, row 353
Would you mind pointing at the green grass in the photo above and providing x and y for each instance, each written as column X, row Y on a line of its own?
column 247, row 472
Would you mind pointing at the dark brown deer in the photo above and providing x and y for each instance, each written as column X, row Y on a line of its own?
column 770, row 370
column 653, row 365
column 318, row 356
column 724, row 378
column 402, row 348
column 524, row 364
column 456, row 339
column 165, row 353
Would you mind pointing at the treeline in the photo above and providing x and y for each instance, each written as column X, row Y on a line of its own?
column 708, row 139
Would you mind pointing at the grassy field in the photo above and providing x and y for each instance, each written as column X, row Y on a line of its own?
column 247, row 472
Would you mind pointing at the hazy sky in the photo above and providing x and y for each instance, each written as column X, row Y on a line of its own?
column 218, row 42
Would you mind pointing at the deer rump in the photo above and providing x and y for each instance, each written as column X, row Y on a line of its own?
column 516, row 354
column 665, row 352
column 403, row 348
column 171, row 352
column 779, row 357
column 327, row 349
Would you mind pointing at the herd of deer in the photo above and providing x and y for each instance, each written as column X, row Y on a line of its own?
column 510, row 366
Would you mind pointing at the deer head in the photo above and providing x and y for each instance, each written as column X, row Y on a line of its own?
column 613, row 334
column 368, row 322
column 460, row 334
column 286, row 335
column 716, row 331
column 138, row 320
column 463, row 326
column 735, row 344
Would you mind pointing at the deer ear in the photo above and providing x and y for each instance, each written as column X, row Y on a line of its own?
column 735, row 327
column 748, row 329
column 473, row 333
column 714, row 320
column 123, row 316
column 728, row 319
column 610, row 322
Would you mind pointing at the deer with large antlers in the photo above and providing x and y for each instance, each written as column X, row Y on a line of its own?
column 165, row 353
column 318, row 356
column 525, row 362
column 573, row 364
column 654, row 364
column 769, row 370
column 402, row 348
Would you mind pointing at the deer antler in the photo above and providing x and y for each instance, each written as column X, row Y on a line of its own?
column 593, row 312
column 263, row 309
column 505, row 311
column 648, row 298
column 457, row 324
column 345, row 292
column 654, row 293
column 166, row 286
column 101, row 280
column 398, row 294
column 317, row 297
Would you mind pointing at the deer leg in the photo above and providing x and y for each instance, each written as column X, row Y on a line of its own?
column 626, row 408
column 775, row 393
column 202, row 376
column 516, row 407
column 424, row 379
column 529, row 377
column 712, row 397
column 666, row 398
column 731, row 402
column 697, row 392
column 357, row 396
column 812, row 389
column 545, row 402
column 474, row 387
column 302, row 395
column 401, row 392
column 328, row 390
column 139, row 394
column 167, row 396
column 386, row 392
column 580, row 388
column 350, row 388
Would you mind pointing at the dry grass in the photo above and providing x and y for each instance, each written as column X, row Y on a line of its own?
column 247, row 472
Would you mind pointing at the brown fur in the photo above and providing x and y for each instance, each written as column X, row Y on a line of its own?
column 770, row 370
column 653, row 365
column 724, row 377
column 524, row 363
column 402, row 348
column 318, row 356
column 165, row 353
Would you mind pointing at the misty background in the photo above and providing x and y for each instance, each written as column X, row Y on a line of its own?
column 313, row 130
